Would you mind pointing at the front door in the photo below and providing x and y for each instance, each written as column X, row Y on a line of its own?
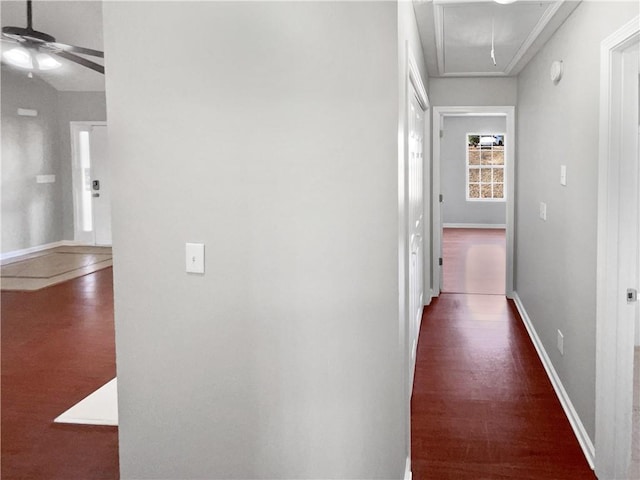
column 91, row 192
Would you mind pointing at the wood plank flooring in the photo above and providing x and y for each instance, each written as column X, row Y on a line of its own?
column 474, row 260
column 482, row 406
column 57, row 347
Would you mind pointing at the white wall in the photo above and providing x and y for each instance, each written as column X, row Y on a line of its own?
column 556, row 259
column 453, row 172
column 271, row 135
column 31, row 212
column 473, row 92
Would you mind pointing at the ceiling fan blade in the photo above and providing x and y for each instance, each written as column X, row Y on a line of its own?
column 81, row 61
column 74, row 49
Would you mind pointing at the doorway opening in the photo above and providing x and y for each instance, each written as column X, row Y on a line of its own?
column 473, row 207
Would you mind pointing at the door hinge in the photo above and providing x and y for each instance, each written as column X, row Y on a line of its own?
column 441, row 133
column 440, row 261
column 441, row 197
column 632, row 295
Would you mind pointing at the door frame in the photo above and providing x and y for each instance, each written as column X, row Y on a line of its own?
column 74, row 128
column 439, row 113
column 614, row 334
column 410, row 76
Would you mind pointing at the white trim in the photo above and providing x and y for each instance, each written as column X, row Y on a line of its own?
column 535, row 33
column 500, row 226
column 38, row 248
column 438, row 23
column 572, row 415
column 408, row 475
column 614, row 334
column 416, row 80
column 510, row 162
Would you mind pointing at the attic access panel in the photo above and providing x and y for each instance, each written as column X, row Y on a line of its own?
column 466, row 34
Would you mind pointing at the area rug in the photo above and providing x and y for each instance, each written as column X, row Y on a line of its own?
column 99, row 408
column 49, row 267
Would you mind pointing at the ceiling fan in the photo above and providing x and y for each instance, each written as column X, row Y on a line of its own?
column 37, row 50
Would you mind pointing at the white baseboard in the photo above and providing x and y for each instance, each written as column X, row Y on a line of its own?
column 574, row 419
column 474, row 225
column 407, row 470
column 26, row 251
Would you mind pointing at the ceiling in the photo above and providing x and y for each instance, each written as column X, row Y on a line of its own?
column 457, row 35
column 76, row 22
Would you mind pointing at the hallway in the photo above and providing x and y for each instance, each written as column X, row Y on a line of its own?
column 482, row 406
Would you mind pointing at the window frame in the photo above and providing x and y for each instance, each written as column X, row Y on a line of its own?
column 468, row 168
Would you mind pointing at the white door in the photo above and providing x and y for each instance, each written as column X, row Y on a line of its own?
column 416, row 216
column 91, row 192
column 618, row 255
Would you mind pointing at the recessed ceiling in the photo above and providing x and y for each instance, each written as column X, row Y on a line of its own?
column 458, row 36
column 72, row 22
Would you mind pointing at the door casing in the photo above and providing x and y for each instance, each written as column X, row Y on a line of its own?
column 617, row 257
column 438, row 120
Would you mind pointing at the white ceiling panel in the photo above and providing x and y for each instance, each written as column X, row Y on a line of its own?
column 468, row 30
column 457, row 35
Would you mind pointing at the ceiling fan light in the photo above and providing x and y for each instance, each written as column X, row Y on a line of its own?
column 46, row 62
column 504, row 2
column 19, row 57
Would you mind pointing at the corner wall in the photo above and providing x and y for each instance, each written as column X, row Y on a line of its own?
column 556, row 258
column 473, row 91
column 271, row 137
column 31, row 212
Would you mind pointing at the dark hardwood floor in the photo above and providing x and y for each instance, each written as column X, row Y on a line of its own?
column 482, row 406
column 474, row 260
column 57, row 347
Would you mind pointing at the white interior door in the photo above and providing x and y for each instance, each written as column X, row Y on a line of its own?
column 618, row 253
column 91, row 183
column 416, row 216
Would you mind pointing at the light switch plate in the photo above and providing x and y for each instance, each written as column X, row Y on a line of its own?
column 195, row 257
column 563, row 175
column 543, row 210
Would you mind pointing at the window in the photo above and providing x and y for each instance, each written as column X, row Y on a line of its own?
column 485, row 167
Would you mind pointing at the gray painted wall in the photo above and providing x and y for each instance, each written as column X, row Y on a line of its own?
column 453, row 171
column 31, row 212
column 36, row 214
column 74, row 106
column 556, row 259
column 474, row 91
column 275, row 144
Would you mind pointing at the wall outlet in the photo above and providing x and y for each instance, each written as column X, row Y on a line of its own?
column 560, row 342
column 543, row 210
